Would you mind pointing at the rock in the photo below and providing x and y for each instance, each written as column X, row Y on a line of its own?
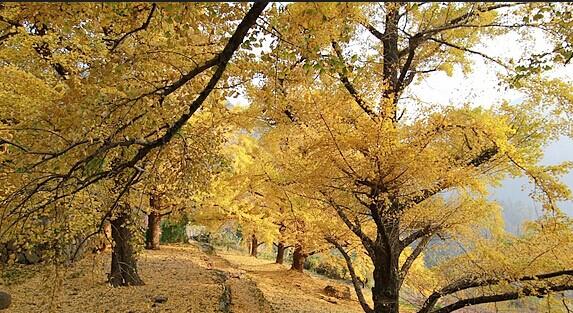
column 160, row 299
column 5, row 300
column 328, row 299
column 28, row 257
column 239, row 274
column 21, row 258
column 207, row 248
column 338, row 292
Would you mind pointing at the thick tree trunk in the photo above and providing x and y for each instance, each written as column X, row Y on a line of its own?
column 386, row 290
column 123, row 260
column 254, row 245
column 298, row 258
column 153, row 235
column 280, row 253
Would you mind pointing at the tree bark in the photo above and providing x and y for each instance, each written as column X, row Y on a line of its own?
column 254, row 245
column 391, row 60
column 280, row 253
column 386, row 290
column 298, row 258
column 153, row 235
column 123, row 260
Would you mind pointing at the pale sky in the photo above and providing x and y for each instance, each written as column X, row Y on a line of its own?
column 481, row 89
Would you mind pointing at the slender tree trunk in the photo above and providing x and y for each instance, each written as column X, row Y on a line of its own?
column 153, row 235
column 254, row 245
column 280, row 253
column 386, row 290
column 107, row 236
column 298, row 258
column 123, row 260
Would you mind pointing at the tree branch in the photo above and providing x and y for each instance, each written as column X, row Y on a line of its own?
column 367, row 241
column 144, row 26
column 348, row 85
column 468, row 50
column 485, row 156
column 223, row 59
column 412, row 45
column 458, row 21
column 412, row 257
column 355, row 281
column 526, row 292
column 467, row 283
column 417, row 235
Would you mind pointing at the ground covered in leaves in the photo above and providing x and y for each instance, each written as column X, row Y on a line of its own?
column 178, row 279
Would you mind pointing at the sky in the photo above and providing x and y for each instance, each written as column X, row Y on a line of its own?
column 481, row 88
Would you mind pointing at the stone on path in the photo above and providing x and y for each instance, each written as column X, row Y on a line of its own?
column 5, row 300
column 338, row 292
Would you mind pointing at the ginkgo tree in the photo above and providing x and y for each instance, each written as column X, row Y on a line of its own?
column 334, row 89
column 181, row 170
column 104, row 86
column 250, row 195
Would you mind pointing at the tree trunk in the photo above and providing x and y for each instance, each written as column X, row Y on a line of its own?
column 280, row 253
column 254, row 246
column 153, row 235
column 107, row 236
column 385, row 293
column 298, row 258
column 123, row 260
column 386, row 290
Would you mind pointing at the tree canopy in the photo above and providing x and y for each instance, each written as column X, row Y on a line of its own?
column 104, row 104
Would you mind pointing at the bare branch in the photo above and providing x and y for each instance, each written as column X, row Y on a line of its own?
column 348, row 85
column 468, row 50
column 526, row 292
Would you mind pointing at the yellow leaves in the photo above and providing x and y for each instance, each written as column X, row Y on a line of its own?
column 545, row 247
column 317, row 24
column 447, row 67
column 419, row 277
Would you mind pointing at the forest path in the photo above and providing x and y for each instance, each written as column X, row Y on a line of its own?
column 191, row 280
column 290, row 291
column 178, row 278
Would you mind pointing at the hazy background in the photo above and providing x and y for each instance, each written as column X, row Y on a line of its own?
column 481, row 88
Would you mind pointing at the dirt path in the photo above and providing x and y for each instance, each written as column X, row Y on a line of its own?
column 191, row 280
column 188, row 278
column 240, row 293
column 289, row 291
